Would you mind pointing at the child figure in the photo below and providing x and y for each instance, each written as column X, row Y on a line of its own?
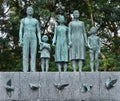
column 94, row 45
column 45, row 53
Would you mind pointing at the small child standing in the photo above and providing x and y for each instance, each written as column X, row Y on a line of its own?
column 94, row 45
column 45, row 53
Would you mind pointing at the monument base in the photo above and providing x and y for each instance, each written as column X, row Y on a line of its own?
column 55, row 86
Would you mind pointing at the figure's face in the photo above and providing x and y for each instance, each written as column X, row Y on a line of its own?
column 76, row 14
column 45, row 38
column 61, row 19
column 29, row 11
column 93, row 30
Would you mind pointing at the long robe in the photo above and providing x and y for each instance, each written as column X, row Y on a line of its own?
column 78, row 37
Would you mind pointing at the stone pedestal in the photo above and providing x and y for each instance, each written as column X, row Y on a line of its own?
column 48, row 91
column 90, row 79
column 113, row 93
column 15, row 82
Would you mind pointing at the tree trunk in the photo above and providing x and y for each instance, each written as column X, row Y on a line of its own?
column 90, row 11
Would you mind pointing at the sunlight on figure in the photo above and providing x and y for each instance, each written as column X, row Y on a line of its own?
column 29, row 28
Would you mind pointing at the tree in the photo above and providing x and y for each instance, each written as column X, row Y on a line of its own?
column 104, row 14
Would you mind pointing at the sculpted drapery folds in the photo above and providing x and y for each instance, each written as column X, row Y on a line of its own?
column 60, row 40
column 77, row 41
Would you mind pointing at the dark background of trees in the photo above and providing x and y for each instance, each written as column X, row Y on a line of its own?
column 105, row 13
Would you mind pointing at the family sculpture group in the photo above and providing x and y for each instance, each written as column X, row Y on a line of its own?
column 69, row 42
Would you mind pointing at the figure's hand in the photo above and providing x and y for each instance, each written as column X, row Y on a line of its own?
column 68, row 47
column 21, row 43
column 41, row 43
column 99, row 51
column 70, row 44
column 86, row 44
column 89, row 46
column 53, row 44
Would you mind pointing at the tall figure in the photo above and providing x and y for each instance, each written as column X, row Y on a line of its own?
column 94, row 45
column 45, row 53
column 29, row 28
column 77, row 41
column 60, row 40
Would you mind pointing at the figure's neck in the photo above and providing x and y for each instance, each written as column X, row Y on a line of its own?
column 45, row 41
column 76, row 19
column 61, row 24
column 29, row 16
column 93, row 35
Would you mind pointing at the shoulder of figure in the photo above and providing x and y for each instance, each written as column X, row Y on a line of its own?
column 71, row 22
column 57, row 26
column 35, row 20
column 81, row 22
column 97, row 37
column 22, row 20
column 90, row 37
column 65, row 26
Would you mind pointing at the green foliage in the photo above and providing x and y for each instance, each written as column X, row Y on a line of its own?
column 105, row 14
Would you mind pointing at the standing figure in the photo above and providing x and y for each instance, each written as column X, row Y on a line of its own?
column 45, row 53
column 94, row 45
column 29, row 28
column 60, row 40
column 77, row 41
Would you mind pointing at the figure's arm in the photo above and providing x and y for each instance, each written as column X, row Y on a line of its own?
column 99, row 43
column 48, row 47
column 41, row 46
column 38, row 32
column 45, row 45
column 89, row 42
column 69, row 35
column 55, row 37
column 84, row 33
column 21, row 30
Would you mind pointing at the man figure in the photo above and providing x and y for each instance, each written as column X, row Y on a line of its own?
column 77, row 41
column 29, row 28
column 94, row 45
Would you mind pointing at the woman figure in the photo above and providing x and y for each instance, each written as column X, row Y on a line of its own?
column 61, row 44
column 77, row 41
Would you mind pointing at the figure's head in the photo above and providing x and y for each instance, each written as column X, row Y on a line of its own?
column 45, row 38
column 76, row 14
column 93, row 30
column 29, row 10
column 61, row 19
